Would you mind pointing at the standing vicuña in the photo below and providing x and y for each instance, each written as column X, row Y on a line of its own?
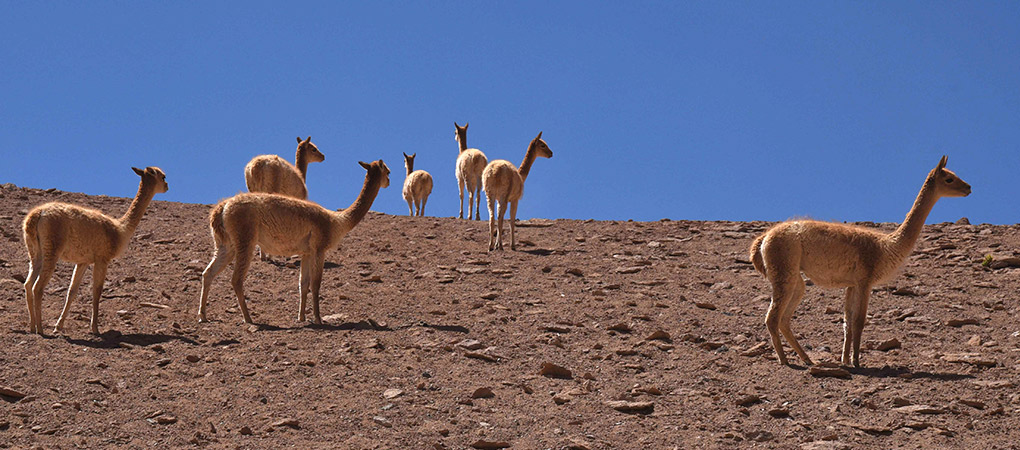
column 60, row 231
column 505, row 183
column 470, row 164
column 835, row 255
column 274, row 175
column 417, row 187
column 283, row 226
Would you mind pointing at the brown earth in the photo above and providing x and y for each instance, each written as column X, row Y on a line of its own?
column 421, row 319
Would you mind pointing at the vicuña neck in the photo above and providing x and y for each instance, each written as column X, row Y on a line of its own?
column 410, row 167
column 462, row 139
column 357, row 211
column 137, row 209
column 301, row 162
column 529, row 159
column 905, row 236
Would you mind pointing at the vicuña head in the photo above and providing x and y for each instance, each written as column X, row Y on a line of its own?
column 836, row 255
column 283, row 226
column 61, row 231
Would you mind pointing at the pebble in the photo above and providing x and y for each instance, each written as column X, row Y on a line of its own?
column 575, row 271
column 382, row 421
column 969, row 358
column 659, row 335
column 758, row 349
column 631, row 407
column 561, row 398
column 470, row 344
column 392, row 393
column 748, row 400
column 829, row 372
column 166, row 420
column 961, row 322
column 825, row 445
column 554, row 371
column 779, row 413
column 245, row 431
column 490, row 445
column 490, row 295
column 289, row 422
column 705, row 305
column 483, row 392
column 621, row 327
column 919, row 409
column 887, row 345
column 192, row 358
column 974, row 340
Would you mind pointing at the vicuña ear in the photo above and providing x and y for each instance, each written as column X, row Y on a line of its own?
column 140, row 172
column 299, row 139
column 466, row 125
column 455, row 124
column 539, row 135
column 364, row 164
column 414, row 154
column 309, row 139
column 405, row 154
column 942, row 163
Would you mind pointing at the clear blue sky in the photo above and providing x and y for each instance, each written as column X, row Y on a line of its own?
column 687, row 110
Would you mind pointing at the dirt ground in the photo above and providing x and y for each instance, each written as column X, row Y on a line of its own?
column 431, row 342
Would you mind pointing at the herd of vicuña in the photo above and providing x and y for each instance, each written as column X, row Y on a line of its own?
column 277, row 217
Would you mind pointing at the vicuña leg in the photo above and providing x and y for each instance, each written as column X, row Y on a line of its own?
column 460, row 183
column 513, row 225
column 421, row 212
column 319, row 261
column 72, row 293
column 787, row 314
column 49, row 265
column 499, row 224
column 855, row 316
column 241, row 263
column 30, row 280
column 98, row 278
column 220, row 260
column 304, row 281
column 478, row 198
column 492, row 223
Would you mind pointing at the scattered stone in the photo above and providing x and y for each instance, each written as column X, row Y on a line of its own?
column 900, row 401
column 556, row 328
column 779, row 413
column 481, row 356
column 382, row 421
column 870, row 429
column 245, row 431
column 970, row 358
column 373, row 279
column 650, row 390
column 490, row 295
column 561, row 398
column 166, row 420
column 757, row 350
column 829, row 372
column 917, row 425
column 825, row 445
column 390, row 394
column 748, row 400
column 759, row 436
column 293, row 423
column 554, row 371
column 974, row 340
column 705, row 305
column 887, row 345
column 833, row 310
column 577, row 444
column 963, row 221
column 1001, row 263
column 470, row 344
column 11, row 393
column 621, row 327
column 483, row 392
column 961, row 322
column 976, row 404
column 919, row 409
column 721, row 285
column 482, row 444
column 192, row 358
column 575, row 271
column 659, row 335
column 905, row 291
column 626, row 270
column 631, row 407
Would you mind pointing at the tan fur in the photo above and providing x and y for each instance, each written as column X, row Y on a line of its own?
column 835, row 255
column 417, row 187
column 470, row 164
column 273, row 174
column 60, row 231
column 283, row 226
column 505, row 183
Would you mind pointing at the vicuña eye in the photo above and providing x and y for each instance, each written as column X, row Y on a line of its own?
column 949, row 180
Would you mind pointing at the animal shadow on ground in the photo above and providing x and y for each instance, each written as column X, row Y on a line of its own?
column 904, row 372
column 114, row 339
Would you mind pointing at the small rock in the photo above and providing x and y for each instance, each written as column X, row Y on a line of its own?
column 970, row 358
column 974, row 340
column 482, row 444
column 166, row 420
column 482, row 356
column 575, row 271
column 919, row 409
column 905, row 291
column 470, row 344
column 192, row 358
column 390, row 394
column 621, row 327
column 748, row 400
column 625, row 270
column 759, row 436
column 659, row 335
column 900, row 401
column 963, row 221
column 373, row 279
column 705, row 305
column 779, row 413
column 8, row 392
column 976, row 404
column 490, row 295
column 758, row 349
column 293, row 423
column 961, row 322
column 887, row 345
column 382, row 421
column 561, row 398
column 830, row 372
column 721, row 285
column 554, row 371
column 825, row 445
column 631, row 407
column 483, row 392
